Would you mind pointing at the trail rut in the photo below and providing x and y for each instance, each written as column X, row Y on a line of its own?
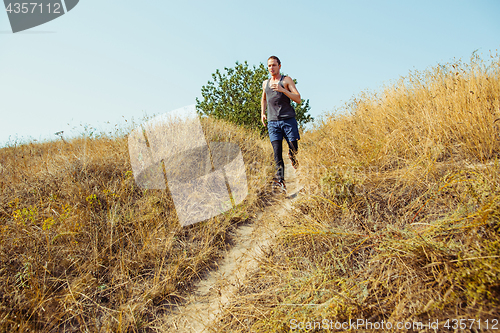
column 213, row 292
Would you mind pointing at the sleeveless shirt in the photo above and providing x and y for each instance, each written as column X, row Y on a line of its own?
column 278, row 104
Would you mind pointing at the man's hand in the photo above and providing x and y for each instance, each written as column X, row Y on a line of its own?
column 288, row 89
column 263, row 118
column 277, row 87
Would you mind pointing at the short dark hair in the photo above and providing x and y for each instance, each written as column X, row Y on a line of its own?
column 275, row 58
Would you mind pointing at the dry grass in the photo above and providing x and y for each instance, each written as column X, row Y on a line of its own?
column 399, row 222
column 400, row 219
column 82, row 248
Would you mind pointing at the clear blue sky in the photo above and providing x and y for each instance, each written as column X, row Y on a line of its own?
column 106, row 61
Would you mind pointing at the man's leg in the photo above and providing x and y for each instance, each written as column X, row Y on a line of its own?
column 291, row 131
column 293, row 147
column 278, row 159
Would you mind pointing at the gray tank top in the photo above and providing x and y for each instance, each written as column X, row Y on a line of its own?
column 278, row 104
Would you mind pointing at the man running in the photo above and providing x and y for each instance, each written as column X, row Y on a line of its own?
column 276, row 95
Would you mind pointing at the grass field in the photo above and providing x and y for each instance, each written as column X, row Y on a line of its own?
column 82, row 248
column 398, row 222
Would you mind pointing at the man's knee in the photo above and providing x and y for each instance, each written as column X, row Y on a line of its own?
column 277, row 144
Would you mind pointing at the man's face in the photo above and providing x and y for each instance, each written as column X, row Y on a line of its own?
column 273, row 67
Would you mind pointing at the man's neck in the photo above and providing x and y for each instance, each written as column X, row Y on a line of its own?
column 276, row 77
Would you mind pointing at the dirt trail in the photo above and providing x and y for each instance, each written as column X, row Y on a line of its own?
column 215, row 290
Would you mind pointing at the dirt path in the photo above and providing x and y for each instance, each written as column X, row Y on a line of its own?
column 213, row 292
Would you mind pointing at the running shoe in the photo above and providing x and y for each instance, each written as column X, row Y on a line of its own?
column 279, row 185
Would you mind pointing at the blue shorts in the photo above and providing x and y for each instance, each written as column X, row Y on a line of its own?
column 286, row 128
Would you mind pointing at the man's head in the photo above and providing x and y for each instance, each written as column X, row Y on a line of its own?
column 273, row 65
column 275, row 58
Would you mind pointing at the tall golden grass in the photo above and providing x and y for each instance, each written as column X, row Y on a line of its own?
column 398, row 222
column 400, row 217
column 82, row 248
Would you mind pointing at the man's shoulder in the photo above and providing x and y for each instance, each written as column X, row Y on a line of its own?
column 264, row 83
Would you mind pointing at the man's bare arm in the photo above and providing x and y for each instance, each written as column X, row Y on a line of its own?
column 290, row 90
column 263, row 104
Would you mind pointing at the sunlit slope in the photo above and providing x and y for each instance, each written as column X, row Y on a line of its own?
column 399, row 221
column 82, row 247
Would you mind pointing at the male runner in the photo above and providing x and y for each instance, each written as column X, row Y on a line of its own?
column 276, row 95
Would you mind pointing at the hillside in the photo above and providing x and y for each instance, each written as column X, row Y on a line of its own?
column 397, row 221
column 83, row 248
